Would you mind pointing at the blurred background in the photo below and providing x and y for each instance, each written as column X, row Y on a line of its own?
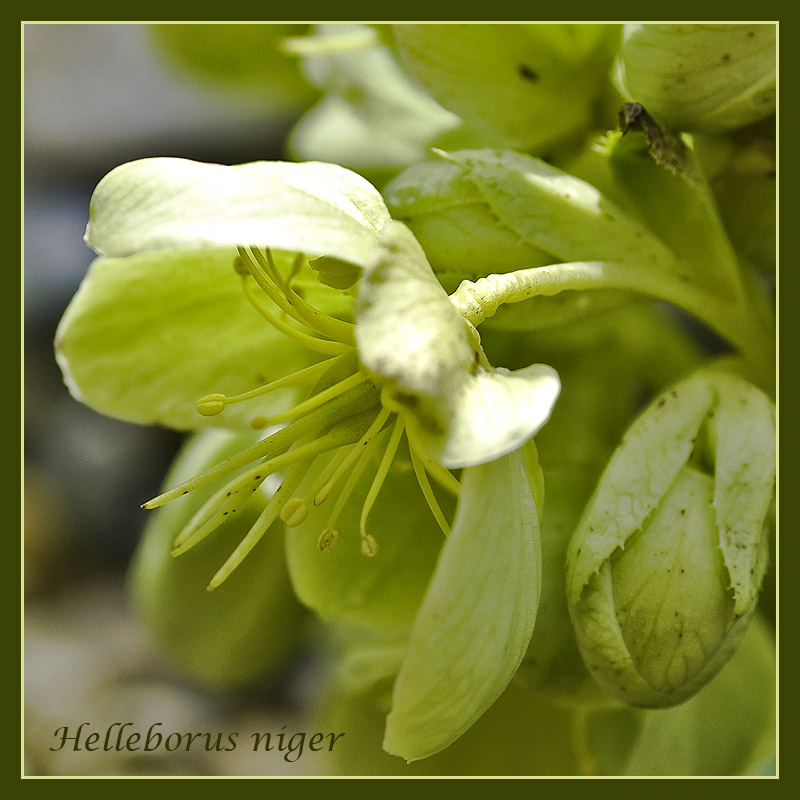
column 96, row 96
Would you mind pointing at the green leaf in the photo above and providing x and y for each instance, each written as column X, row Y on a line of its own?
column 478, row 613
column 172, row 203
column 146, row 336
column 557, row 212
column 456, row 227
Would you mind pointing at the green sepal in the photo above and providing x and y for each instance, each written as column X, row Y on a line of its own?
column 478, row 613
column 147, row 336
column 381, row 593
column 533, row 84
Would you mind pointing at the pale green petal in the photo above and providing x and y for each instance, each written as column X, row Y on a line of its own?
column 245, row 61
column 727, row 729
column 495, row 412
column 558, row 212
column 412, row 338
column 172, row 203
column 634, row 483
column 373, row 115
column 407, row 330
column 744, row 428
column 701, row 77
column 145, row 337
column 477, row 616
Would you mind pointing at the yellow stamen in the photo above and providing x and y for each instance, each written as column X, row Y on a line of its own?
column 430, row 498
column 319, row 399
column 327, row 539
column 229, row 499
column 294, row 512
column 291, row 302
column 311, row 342
column 380, row 475
column 346, row 462
column 440, row 474
column 212, row 404
column 314, row 493
column 222, row 504
column 363, row 451
column 267, row 517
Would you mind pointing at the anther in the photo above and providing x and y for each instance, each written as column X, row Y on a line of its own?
column 211, row 404
column 294, row 512
column 369, row 547
column 327, row 539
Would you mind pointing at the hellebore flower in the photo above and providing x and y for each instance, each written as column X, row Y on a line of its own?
column 165, row 229
column 665, row 567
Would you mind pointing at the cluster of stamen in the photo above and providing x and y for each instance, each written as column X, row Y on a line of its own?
column 344, row 417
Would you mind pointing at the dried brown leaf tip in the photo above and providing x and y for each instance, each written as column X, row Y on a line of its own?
column 664, row 145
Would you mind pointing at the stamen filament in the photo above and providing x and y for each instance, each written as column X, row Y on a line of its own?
column 363, row 451
column 292, row 480
column 226, row 501
column 211, row 515
column 291, row 302
column 424, row 484
column 351, row 456
column 311, row 342
column 316, row 400
column 380, row 475
column 279, row 442
column 307, row 375
column 263, row 276
column 440, row 474
column 324, row 477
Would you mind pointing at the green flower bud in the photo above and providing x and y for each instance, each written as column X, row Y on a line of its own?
column 534, row 84
column 701, row 77
column 665, row 567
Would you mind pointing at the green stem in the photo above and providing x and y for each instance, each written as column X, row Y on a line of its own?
column 732, row 319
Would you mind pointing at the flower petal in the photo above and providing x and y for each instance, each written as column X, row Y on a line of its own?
column 145, row 337
column 478, row 614
column 381, row 593
column 411, row 336
column 173, row 203
column 495, row 412
column 407, row 330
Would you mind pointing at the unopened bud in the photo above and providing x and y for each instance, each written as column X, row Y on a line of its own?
column 701, row 77
column 665, row 568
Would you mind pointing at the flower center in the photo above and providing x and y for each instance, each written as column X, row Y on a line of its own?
column 343, row 419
